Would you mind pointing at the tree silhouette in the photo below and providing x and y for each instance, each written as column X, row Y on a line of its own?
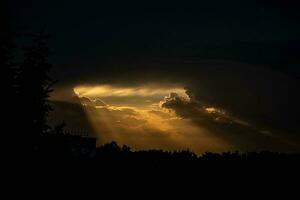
column 9, row 73
column 34, row 86
column 8, row 65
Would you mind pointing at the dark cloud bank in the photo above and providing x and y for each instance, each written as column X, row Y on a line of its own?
column 242, row 57
column 241, row 134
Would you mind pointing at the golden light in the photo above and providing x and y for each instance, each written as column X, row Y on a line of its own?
column 111, row 91
column 134, row 116
column 213, row 110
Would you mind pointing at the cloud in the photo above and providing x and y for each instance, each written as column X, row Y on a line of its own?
column 130, row 127
column 259, row 95
column 160, row 114
column 183, row 107
column 154, row 49
column 102, row 91
column 97, row 102
column 257, row 100
column 85, row 101
column 125, row 117
column 239, row 133
column 148, row 128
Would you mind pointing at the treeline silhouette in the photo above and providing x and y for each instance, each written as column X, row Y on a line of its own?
column 61, row 147
column 112, row 152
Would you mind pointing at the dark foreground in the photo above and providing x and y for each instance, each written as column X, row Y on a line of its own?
column 78, row 160
column 77, row 148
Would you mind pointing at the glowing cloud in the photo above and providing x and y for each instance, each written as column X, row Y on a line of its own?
column 109, row 91
column 135, row 116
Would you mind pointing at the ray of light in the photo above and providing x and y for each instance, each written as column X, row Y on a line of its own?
column 143, row 125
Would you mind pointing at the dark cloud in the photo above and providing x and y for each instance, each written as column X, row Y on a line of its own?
column 241, row 134
column 93, row 37
column 258, row 94
column 183, row 108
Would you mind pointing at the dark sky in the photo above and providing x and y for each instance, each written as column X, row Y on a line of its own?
column 92, row 32
column 242, row 56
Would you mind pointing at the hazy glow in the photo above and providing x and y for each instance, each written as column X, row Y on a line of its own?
column 109, row 91
column 134, row 116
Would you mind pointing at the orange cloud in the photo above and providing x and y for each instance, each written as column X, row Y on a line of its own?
column 145, row 125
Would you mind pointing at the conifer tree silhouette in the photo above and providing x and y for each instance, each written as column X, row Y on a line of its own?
column 8, row 74
column 34, row 86
column 7, row 66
